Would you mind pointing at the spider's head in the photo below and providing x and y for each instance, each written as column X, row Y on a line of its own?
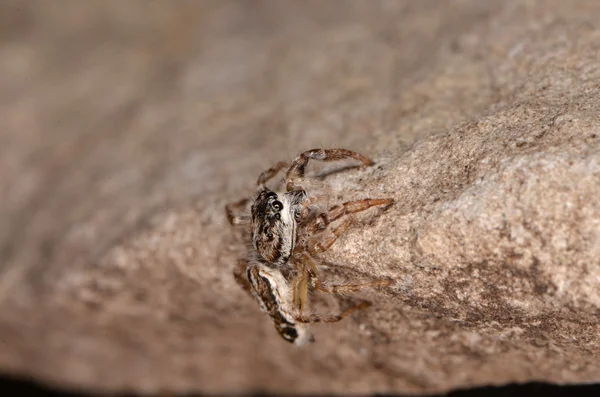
column 274, row 221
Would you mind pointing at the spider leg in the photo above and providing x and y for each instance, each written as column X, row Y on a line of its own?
column 331, row 318
column 308, row 211
column 300, row 290
column 297, row 167
column 324, row 241
column 349, row 207
column 310, row 269
column 230, row 211
column 308, row 276
column 270, row 173
column 307, row 272
column 344, row 288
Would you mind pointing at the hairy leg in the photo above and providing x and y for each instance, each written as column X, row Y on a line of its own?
column 323, row 241
column 308, row 277
column 300, row 290
column 317, row 284
column 231, row 208
column 331, row 318
column 307, row 271
column 270, row 173
column 296, row 171
column 262, row 179
column 323, row 245
column 344, row 288
column 341, row 210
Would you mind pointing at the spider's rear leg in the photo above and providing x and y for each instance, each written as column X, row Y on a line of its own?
column 232, row 217
column 341, row 210
column 270, row 173
column 308, row 277
column 300, row 291
column 307, row 272
column 331, row 318
column 296, row 171
column 344, row 288
column 317, row 284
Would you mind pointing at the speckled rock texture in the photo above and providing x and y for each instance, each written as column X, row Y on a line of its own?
column 127, row 126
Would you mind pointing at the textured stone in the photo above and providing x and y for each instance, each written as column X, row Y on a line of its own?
column 128, row 126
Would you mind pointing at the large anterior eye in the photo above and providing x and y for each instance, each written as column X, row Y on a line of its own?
column 277, row 205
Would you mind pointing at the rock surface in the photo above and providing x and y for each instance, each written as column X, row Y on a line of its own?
column 128, row 125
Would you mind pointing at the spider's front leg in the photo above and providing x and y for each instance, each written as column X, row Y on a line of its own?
column 231, row 209
column 296, row 171
column 269, row 174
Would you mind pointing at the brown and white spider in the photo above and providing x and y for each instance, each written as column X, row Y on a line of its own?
column 287, row 235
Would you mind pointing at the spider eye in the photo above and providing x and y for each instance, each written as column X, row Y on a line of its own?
column 297, row 215
column 267, row 232
column 277, row 205
column 277, row 216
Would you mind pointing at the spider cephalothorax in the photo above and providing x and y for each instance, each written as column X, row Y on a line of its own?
column 274, row 223
column 287, row 236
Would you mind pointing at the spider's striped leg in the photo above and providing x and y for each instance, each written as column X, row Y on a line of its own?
column 269, row 174
column 344, row 209
column 344, row 288
column 331, row 318
column 309, row 277
column 300, row 284
column 296, row 171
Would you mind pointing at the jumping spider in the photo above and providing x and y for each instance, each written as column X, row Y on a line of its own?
column 287, row 235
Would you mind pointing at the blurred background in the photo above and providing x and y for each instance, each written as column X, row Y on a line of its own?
column 113, row 109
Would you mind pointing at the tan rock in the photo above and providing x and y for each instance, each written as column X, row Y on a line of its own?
column 127, row 127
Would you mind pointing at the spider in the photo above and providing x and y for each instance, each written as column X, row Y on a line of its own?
column 287, row 235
